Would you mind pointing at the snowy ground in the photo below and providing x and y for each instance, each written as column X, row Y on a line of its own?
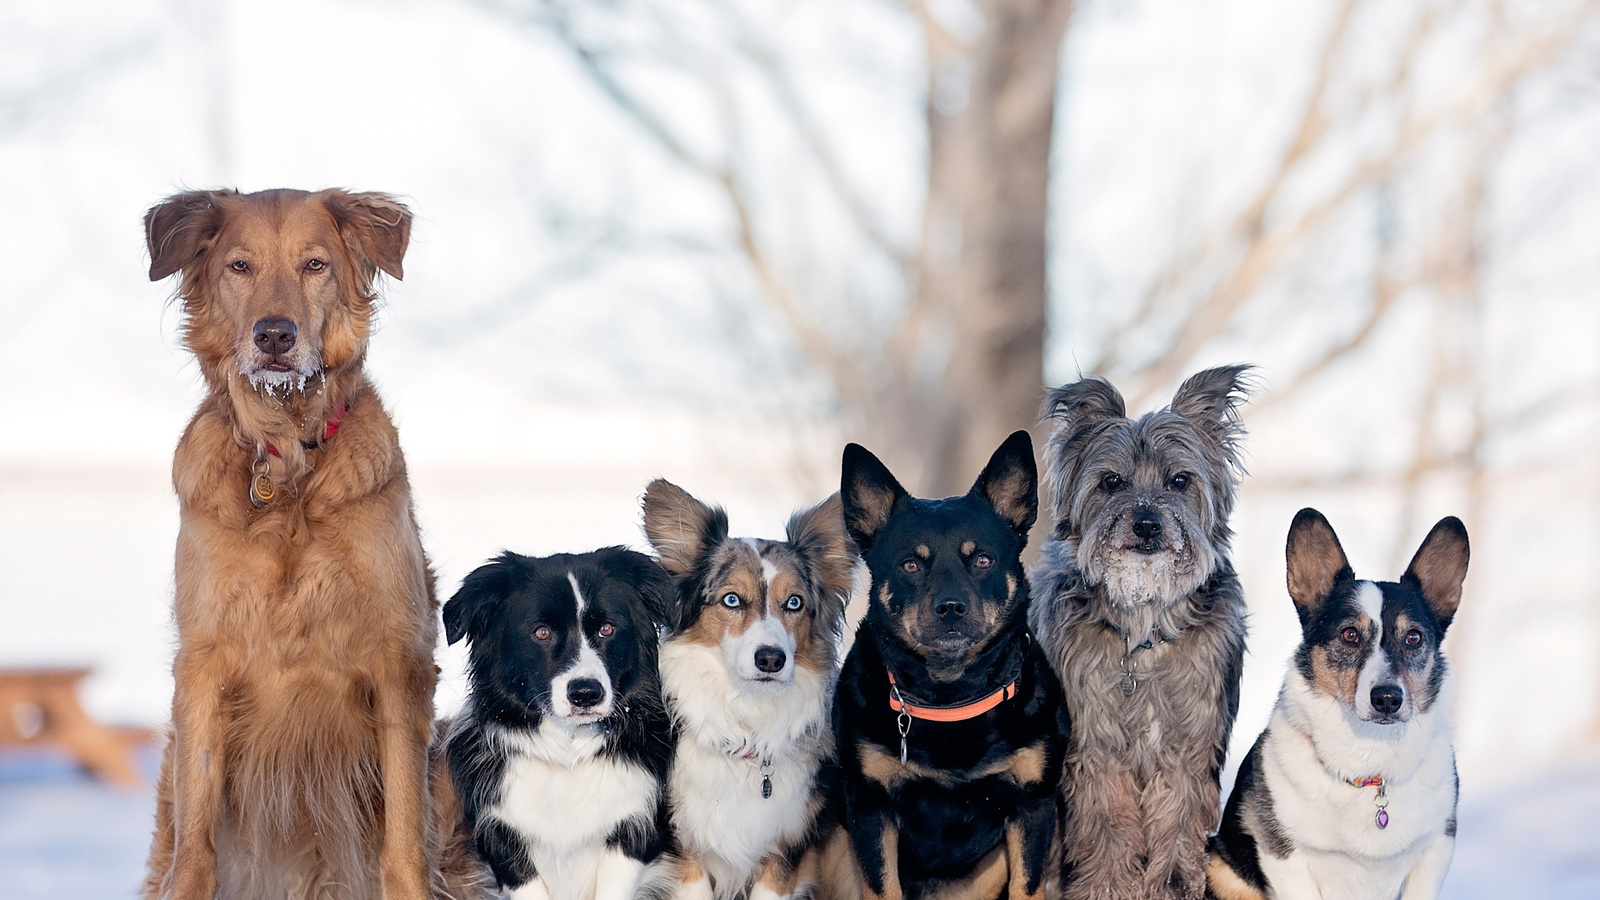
column 65, row 837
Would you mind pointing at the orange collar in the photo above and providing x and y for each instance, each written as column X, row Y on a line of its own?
column 949, row 713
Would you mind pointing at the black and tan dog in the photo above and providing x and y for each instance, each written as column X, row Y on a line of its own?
column 951, row 724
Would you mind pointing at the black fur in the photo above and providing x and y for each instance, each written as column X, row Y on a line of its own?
column 952, row 807
column 497, row 609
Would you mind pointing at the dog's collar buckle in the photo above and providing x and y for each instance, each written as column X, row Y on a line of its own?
column 944, row 713
column 328, row 431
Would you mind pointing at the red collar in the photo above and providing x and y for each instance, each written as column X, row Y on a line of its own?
column 949, row 713
column 327, row 432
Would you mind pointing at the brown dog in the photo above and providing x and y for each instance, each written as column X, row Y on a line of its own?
column 305, row 606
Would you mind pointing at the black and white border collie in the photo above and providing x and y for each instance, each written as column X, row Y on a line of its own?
column 748, row 670
column 561, row 754
column 1351, row 791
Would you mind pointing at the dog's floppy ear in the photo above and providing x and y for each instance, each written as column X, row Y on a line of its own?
column 484, row 588
column 819, row 534
column 868, row 492
column 682, row 529
column 376, row 227
column 654, row 585
column 1211, row 400
column 1440, row 567
column 180, row 229
column 1010, row 482
column 1316, row 563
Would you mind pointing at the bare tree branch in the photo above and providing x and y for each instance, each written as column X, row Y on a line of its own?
column 1210, row 317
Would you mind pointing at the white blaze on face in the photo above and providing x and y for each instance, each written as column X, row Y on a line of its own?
column 587, row 665
column 1376, row 669
column 739, row 650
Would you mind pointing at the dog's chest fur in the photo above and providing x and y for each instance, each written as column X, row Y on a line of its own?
column 718, row 810
column 1180, row 698
column 565, row 795
column 1306, row 757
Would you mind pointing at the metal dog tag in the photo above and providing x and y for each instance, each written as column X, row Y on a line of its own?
column 1129, row 684
column 261, row 490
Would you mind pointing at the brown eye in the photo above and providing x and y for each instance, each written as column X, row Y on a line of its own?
column 983, row 560
column 1112, row 483
column 315, row 265
column 239, row 265
column 1413, row 639
column 1179, row 482
column 542, row 633
column 607, row 630
column 910, row 565
column 1350, row 636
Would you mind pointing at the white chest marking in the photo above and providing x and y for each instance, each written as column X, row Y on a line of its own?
column 566, row 798
column 1314, row 746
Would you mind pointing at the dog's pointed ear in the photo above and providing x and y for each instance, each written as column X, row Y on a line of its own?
column 1440, row 567
column 1316, row 563
column 180, row 229
column 1010, row 482
column 375, row 227
column 481, row 592
column 681, row 529
column 868, row 493
column 1211, row 400
column 820, row 536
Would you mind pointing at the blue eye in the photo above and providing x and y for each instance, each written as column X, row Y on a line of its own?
column 731, row 600
column 794, row 603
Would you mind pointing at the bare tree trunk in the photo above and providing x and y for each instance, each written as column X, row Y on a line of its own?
column 980, row 295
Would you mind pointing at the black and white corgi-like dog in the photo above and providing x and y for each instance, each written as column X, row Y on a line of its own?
column 1350, row 793
column 561, row 753
column 748, row 669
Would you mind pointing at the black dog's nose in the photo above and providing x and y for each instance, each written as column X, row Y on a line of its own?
column 1146, row 524
column 1386, row 698
column 275, row 334
column 770, row 659
column 950, row 609
column 585, row 693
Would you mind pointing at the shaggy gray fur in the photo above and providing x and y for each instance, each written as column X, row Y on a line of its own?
column 1146, row 631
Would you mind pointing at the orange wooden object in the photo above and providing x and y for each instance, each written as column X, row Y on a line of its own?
column 40, row 706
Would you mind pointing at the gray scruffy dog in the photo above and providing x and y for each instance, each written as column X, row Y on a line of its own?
column 1142, row 616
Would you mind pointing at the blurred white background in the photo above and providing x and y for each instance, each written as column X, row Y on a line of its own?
column 678, row 238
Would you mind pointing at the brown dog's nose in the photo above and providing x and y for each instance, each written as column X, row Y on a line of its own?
column 275, row 335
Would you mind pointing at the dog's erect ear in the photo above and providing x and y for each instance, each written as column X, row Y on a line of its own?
column 484, row 589
column 1010, row 482
column 682, row 529
column 180, row 229
column 1316, row 563
column 868, row 492
column 1082, row 403
column 819, row 534
column 1211, row 400
column 376, row 227
column 1440, row 567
